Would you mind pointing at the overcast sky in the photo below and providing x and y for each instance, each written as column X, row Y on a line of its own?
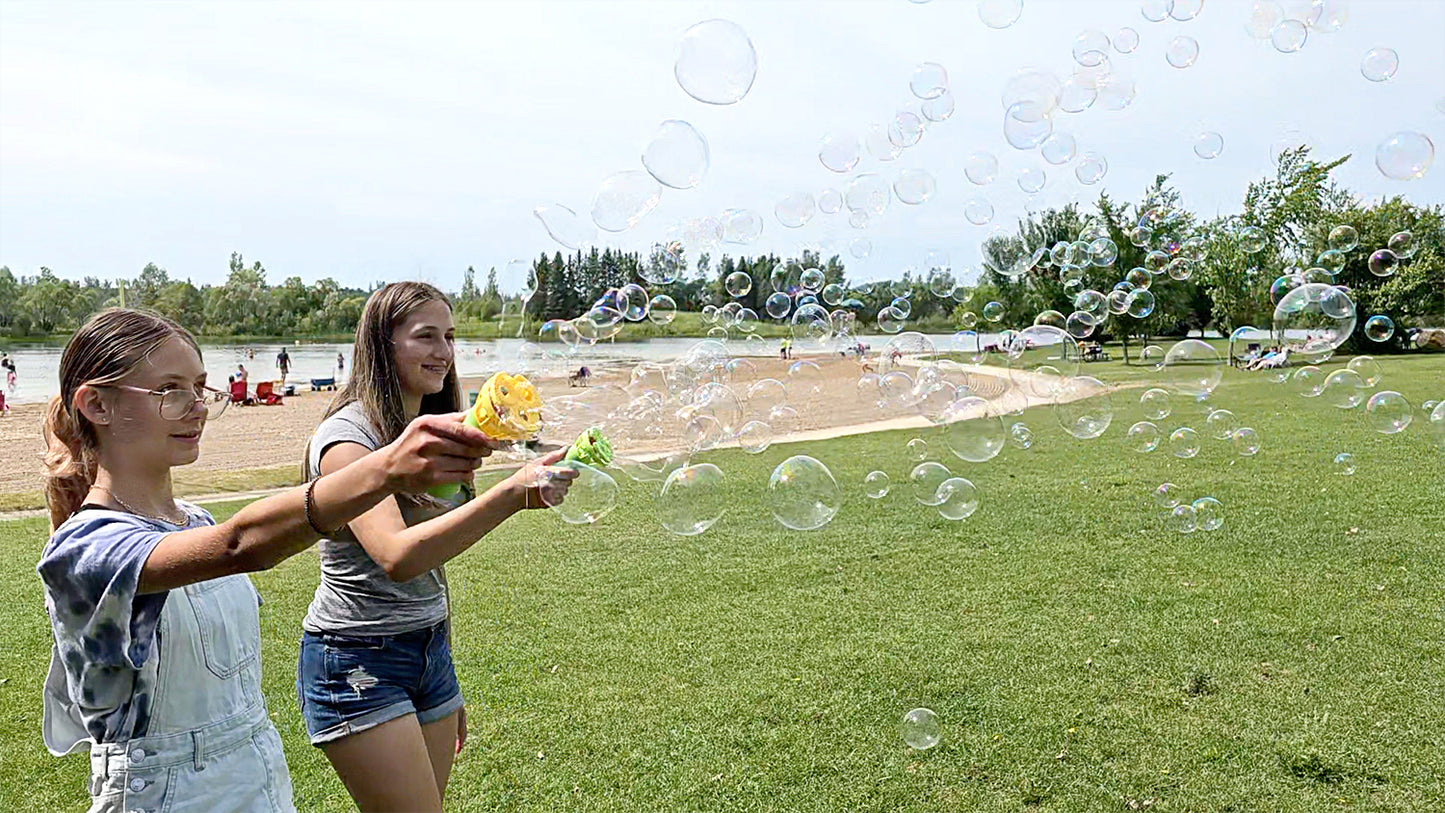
column 370, row 140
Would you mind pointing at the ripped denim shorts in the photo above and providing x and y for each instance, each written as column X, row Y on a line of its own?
column 349, row 683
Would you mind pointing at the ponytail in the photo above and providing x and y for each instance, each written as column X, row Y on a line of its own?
column 70, row 461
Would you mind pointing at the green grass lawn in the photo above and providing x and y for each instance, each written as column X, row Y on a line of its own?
column 1080, row 656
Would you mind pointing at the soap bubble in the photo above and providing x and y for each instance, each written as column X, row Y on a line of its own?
column 741, row 226
column 1379, row 328
column 929, row 81
column 1402, row 244
column 738, row 284
column 1139, row 304
column 812, row 322
column 1344, row 464
column 1155, row 402
column 875, row 485
column 802, row 494
column 1125, row 40
column 993, row 311
column 1437, row 420
column 677, row 155
column 1368, row 369
column 973, row 432
column 1208, row 145
column 1185, row 10
column 1184, row 442
column 1331, row 260
column 920, row 726
column 890, row 319
column 1379, row 64
column 917, row 449
column 958, row 498
column 1388, row 412
column 591, row 496
column 1253, row 239
column 1314, row 318
column 1166, row 496
column 906, row 129
column 795, row 210
column 1083, row 407
column 978, row 210
column 755, row 437
column 1219, row 424
column 867, row 192
column 1058, row 149
column 830, row 201
column 1194, row 368
column 914, row 186
column 1143, row 437
column 1309, row 381
column 1000, row 13
column 1383, row 263
column 1344, row 238
column 939, row 108
column 1184, row 519
column 1026, row 125
column 1156, row 10
column 1020, row 436
column 564, row 226
column 716, row 63
column 1091, row 168
column 925, row 478
column 1081, row 324
column 1182, row 51
column 1405, row 156
column 1246, row 441
column 623, row 199
column 840, row 152
column 1345, row 389
column 981, row 168
column 1284, row 284
column 1076, row 94
column 1030, row 180
column 692, row 499
column 1208, row 513
column 1288, row 36
column 1264, row 15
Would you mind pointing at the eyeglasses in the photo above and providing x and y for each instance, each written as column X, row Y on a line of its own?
column 176, row 405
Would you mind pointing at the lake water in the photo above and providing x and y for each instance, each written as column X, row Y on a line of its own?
column 39, row 365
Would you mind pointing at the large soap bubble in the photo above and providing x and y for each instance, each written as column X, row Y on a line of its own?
column 624, row 199
column 840, row 152
column 973, row 432
column 692, row 499
column 565, row 226
column 1000, row 13
column 716, row 63
column 1314, row 318
column 1405, row 156
column 1083, row 407
column 590, row 497
column 925, row 478
column 1194, row 368
column 920, row 726
column 677, row 155
column 795, row 210
column 1388, row 412
column 958, row 498
column 802, row 494
column 867, row 192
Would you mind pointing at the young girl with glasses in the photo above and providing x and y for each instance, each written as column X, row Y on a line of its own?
column 155, row 667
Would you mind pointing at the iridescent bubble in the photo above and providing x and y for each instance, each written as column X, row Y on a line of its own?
column 624, row 199
column 755, row 437
column 879, row 145
column 1091, row 168
column 1314, row 318
column 1208, row 513
column 1208, row 145
column 1344, row 238
column 1183, row 519
column 840, row 152
column 778, row 304
column 1166, row 496
column 890, row 320
column 1026, row 125
column 938, row 109
column 1246, row 441
column 741, row 226
column 1155, row 11
column 1388, row 412
column 830, row 201
column 1402, row 243
column 1139, row 304
column 1383, row 263
column 906, row 129
column 1288, row 36
column 738, row 284
column 1143, row 437
column 958, row 498
column 1283, row 285
column 591, row 496
column 1030, row 180
column 812, row 322
column 677, row 156
column 929, row 81
column 812, row 279
column 1058, row 149
column 1083, row 407
column 876, row 485
column 867, row 192
column 1081, row 324
column 1020, row 436
column 1345, row 389
column 1185, row 10
column 795, row 210
column 716, row 63
column 802, row 494
column 1184, row 442
column 693, row 499
column 1000, row 13
column 993, row 311
column 1089, row 47
column 973, row 433
column 1125, row 40
column 1050, row 318
column 1344, row 464
column 1155, row 402
column 981, row 168
column 1253, row 239
column 1220, row 424
column 1264, row 15
column 925, row 478
column 1331, row 260
column 1379, row 328
column 1309, row 381
column 564, row 226
column 920, row 726
column 978, row 210
column 1379, row 64
column 917, row 450
column 903, row 305
column 1194, row 368
column 1182, row 51
column 914, row 186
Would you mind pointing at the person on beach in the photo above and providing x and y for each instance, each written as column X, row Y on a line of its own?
column 283, row 363
column 155, row 665
column 340, row 363
column 241, row 374
column 4, row 406
column 375, row 679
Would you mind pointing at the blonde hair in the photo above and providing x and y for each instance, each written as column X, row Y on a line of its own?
column 104, row 350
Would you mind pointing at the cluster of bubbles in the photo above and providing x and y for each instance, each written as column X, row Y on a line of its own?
column 1184, row 516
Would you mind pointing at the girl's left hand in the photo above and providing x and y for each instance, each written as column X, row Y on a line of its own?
column 461, row 728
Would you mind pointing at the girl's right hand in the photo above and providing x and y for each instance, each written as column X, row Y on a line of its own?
column 542, row 484
column 434, row 450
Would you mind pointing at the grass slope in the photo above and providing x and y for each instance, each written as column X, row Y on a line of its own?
column 1080, row 656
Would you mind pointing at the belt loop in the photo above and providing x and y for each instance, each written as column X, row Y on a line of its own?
column 198, row 746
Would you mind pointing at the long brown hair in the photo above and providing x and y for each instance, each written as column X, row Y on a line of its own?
column 374, row 382
column 104, row 350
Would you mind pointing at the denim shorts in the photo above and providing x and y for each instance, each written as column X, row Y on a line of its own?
column 349, row 683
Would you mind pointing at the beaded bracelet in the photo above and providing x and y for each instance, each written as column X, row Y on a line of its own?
column 310, row 503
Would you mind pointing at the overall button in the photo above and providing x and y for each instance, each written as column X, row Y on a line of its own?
column 137, row 785
column 137, row 755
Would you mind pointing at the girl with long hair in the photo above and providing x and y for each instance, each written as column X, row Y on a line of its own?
column 156, row 658
column 375, row 677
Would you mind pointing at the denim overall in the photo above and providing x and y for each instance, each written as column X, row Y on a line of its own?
column 210, row 745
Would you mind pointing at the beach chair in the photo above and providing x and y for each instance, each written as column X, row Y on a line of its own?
column 238, row 394
column 266, row 394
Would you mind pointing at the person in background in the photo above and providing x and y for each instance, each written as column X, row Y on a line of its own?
column 241, row 374
column 283, row 363
column 340, row 363
column 4, row 406
column 155, row 666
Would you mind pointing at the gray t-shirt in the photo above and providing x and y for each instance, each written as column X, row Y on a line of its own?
column 356, row 596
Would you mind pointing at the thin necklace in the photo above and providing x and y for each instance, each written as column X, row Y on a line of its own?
column 137, row 512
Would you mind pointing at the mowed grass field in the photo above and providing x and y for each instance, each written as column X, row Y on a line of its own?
column 1080, row 656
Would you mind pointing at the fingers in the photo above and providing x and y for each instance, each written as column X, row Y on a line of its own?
column 552, row 456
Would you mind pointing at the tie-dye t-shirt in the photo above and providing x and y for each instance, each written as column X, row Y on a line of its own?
column 105, row 634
